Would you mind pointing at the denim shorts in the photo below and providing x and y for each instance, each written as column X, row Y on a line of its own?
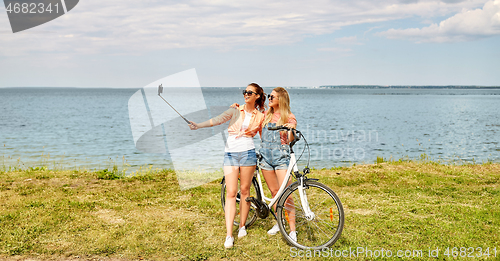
column 275, row 158
column 240, row 159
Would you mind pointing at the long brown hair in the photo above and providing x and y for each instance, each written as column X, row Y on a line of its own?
column 284, row 107
column 260, row 103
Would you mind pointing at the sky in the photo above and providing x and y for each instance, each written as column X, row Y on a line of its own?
column 125, row 43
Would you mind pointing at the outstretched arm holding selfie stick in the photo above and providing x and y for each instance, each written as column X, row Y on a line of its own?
column 223, row 118
column 195, row 126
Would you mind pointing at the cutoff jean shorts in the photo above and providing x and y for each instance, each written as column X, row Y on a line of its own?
column 240, row 159
column 275, row 158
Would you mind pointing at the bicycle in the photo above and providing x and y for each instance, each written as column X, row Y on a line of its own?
column 318, row 215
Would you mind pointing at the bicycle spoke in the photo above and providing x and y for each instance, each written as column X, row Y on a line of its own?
column 319, row 231
column 324, row 232
column 329, row 224
column 315, row 224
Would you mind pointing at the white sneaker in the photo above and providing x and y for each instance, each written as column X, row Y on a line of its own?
column 229, row 242
column 242, row 232
column 293, row 235
column 274, row 230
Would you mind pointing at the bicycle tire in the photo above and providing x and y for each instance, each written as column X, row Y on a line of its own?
column 252, row 214
column 324, row 229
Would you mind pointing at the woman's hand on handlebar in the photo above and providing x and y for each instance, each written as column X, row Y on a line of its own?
column 291, row 131
column 234, row 105
column 284, row 127
column 193, row 126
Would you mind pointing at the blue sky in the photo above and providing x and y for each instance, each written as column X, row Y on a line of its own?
column 280, row 43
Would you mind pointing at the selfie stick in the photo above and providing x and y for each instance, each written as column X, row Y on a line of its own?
column 160, row 91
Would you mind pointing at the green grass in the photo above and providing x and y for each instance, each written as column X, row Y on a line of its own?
column 395, row 205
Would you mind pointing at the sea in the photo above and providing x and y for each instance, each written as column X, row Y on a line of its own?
column 90, row 128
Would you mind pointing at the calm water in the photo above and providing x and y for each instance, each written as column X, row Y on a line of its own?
column 73, row 127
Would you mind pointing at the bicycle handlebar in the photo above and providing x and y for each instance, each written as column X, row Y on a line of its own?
column 296, row 133
column 279, row 128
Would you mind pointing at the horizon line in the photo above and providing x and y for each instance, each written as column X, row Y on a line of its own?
column 311, row 87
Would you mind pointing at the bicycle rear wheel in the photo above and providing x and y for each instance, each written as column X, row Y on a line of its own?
column 319, row 231
column 252, row 214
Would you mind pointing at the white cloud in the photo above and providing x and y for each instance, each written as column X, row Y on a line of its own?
column 335, row 50
column 134, row 27
column 348, row 40
column 465, row 26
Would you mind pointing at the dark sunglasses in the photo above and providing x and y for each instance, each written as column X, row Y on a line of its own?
column 271, row 97
column 248, row 92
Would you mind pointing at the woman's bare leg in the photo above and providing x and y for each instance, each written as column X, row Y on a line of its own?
column 245, row 182
column 289, row 204
column 272, row 182
column 231, row 177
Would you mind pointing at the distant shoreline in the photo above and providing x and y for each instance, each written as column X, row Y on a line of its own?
column 406, row 87
column 458, row 87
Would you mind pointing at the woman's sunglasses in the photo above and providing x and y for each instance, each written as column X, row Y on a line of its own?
column 271, row 97
column 248, row 92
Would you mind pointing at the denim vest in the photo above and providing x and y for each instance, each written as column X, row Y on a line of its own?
column 271, row 149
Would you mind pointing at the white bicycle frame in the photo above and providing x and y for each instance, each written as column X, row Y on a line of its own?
column 303, row 197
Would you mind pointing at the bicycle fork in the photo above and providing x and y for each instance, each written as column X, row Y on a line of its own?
column 309, row 215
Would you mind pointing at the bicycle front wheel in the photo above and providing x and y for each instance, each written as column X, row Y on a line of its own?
column 317, row 231
column 252, row 214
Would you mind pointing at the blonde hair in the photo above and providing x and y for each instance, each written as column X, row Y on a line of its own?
column 284, row 107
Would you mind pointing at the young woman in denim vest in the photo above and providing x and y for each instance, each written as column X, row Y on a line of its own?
column 275, row 150
column 239, row 156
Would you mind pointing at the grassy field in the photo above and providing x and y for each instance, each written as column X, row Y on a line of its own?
column 79, row 215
